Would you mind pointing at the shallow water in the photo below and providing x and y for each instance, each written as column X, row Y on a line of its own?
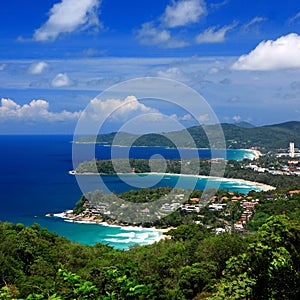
column 34, row 181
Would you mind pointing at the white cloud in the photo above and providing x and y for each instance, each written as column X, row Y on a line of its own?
column 183, row 13
column 116, row 109
column 148, row 34
column 294, row 18
column 161, row 31
column 186, row 117
column 132, row 115
column 236, row 118
column 172, row 73
column 213, row 70
column 68, row 16
column 252, row 22
column 214, row 35
column 203, row 118
column 2, row 67
column 217, row 5
column 36, row 110
column 37, row 68
column 283, row 53
column 61, row 80
column 151, row 35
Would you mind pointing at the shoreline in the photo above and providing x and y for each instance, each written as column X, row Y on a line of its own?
column 69, row 217
column 257, row 153
column 265, row 187
column 159, row 234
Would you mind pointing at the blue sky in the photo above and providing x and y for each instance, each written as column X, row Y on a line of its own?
column 56, row 56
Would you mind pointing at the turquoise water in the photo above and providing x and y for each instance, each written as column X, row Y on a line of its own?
column 35, row 180
column 125, row 182
column 90, row 234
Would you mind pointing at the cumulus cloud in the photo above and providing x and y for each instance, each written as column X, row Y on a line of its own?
column 183, row 13
column 186, row 117
column 116, row 109
column 236, row 118
column 172, row 73
column 37, row 68
column 68, row 16
column 36, row 110
column 161, row 31
column 203, row 118
column 61, row 80
column 283, row 53
column 132, row 115
column 214, row 35
column 148, row 34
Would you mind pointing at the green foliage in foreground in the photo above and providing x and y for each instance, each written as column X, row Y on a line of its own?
column 269, row 269
column 194, row 264
column 279, row 204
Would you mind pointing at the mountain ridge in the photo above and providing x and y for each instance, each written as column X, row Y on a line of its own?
column 265, row 138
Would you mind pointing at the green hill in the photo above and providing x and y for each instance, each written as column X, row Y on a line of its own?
column 270, row 137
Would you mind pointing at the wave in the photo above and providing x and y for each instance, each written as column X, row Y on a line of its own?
column 58, row 215
column 127, row 234
column 132, row 237
column 126, row 241
column 243, row 186
column 133, row 228
column 123, row 241
column 83, row 222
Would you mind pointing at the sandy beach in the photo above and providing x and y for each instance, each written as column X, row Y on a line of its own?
column 257, row 153
column 264, row 187
column 68, row 216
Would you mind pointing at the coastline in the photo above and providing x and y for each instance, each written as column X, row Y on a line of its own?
column 68, row 216
column 155, row 233
column 257, row 153
column 263, row 186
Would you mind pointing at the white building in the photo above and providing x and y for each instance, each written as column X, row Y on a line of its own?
column 292, row 150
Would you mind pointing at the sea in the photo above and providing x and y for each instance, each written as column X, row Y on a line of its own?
column 35, row 181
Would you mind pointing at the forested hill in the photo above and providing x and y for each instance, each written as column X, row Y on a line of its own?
column 268, row 137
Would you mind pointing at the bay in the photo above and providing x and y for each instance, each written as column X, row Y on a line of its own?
column 35, row 180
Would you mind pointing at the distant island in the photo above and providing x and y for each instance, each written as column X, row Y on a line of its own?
column 237, row 136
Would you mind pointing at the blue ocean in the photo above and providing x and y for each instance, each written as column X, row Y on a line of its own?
column 35, row 180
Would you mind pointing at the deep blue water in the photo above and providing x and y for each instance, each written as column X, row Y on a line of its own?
column 34, row 180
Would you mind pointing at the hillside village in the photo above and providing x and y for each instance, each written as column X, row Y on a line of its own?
column 281, row 162
column 224, row 211
column 232, row 210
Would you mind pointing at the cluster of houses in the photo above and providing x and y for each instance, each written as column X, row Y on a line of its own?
column 291, row 168
column 94, row 211
column 246, row 204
